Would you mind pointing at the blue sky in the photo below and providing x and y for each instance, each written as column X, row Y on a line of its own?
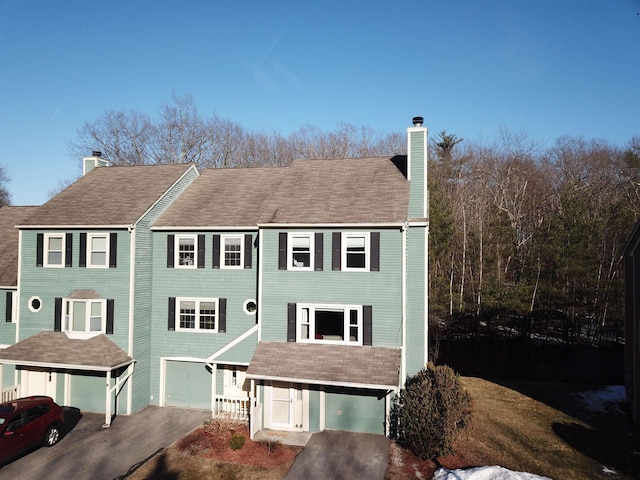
column 546, row 67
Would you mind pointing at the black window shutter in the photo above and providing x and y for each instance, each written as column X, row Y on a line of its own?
column 82, row 261
column 39, row 249
column 57, row 315
column 282, row 251
column 216, row 251
column 200, row 251
column 222, row 315
column 68, row 246
column 248, row 250
column 367, row 324
column 291, row 322
column 109, row 328
column 374, row 264
column 9, row 308
column 318, row 246
column 170, row 246
column 113, row 250
column 336, row 255
column 172, row 314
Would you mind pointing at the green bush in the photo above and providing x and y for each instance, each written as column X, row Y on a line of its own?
column 236, row 442
column 431, row 412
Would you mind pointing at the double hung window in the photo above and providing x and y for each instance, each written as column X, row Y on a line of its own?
column 54, row 250
column 196, row 314
column 300, row 248
column 98, row 255
column 185, row 251
column 355, row 251
column 232, row 251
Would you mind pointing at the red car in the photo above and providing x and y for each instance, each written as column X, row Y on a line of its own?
column 28, row 422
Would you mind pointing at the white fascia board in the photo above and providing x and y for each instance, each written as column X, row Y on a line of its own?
column 74, row 227
column 208, row 228
column 332, row 225
column 364, row 386
column 192, row 167
column 9, row 287
column 418, row 222
column 68, row 366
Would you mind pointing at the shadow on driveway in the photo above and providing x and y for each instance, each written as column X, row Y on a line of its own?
column 337, row 454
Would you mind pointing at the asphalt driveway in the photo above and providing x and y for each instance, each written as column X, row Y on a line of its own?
column 342, row 455
column 89, row 452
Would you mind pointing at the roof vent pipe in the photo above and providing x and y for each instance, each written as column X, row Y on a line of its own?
column 417, row 121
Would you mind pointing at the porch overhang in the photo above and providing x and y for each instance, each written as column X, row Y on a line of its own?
column 56, row 350
column 353, row 366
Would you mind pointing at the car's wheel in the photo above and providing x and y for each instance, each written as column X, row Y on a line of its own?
column 52, row 436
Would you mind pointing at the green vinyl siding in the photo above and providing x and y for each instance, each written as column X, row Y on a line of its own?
column 416, row 301
column 49, row 283
column 8, row 376
column 382, row 289
column 7, row 329
column 143, row 287
column 235, row 285
column 418, row 172
column 87, row 392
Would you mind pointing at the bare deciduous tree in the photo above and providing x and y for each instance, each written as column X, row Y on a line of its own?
column 5, row 196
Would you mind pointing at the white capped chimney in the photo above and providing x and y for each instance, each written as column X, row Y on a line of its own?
column 94, row 161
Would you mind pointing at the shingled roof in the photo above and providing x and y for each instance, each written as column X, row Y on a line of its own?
column 9, row 218
column 55, row 349
column 354, row 190
column 340, row 365
column 108, row 196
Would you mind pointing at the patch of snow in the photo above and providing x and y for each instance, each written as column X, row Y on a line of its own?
column 609, row 470
column 484, row 473
column 606, row 400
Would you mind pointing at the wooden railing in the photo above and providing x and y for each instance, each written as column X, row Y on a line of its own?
column 256, row 420
column 9, row 393
column 229, row 406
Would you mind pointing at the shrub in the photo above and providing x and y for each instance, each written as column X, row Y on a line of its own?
column 236, row 442
column 431, row 412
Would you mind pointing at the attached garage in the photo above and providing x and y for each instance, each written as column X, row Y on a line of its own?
column 355, row 410
column 353, row 384
column 47, row 358
column 187, row 384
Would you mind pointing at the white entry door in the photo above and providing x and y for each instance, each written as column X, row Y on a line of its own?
column 285, row 407
column 39, row 382
column 234, row 379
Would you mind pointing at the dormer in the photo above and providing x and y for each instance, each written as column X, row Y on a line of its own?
column 94, row 161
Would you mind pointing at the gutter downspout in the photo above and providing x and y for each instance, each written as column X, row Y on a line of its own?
column 403, row 363
column 132, row 274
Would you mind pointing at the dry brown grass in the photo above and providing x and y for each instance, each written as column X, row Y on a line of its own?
column 524, row 426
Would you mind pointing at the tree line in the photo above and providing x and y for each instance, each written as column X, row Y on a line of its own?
column 515, row 227
column 525, row 236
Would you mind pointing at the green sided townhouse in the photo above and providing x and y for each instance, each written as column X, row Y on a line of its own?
column 294, row 296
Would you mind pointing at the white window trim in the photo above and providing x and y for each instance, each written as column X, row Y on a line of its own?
column 312, row 307
column 90, row 237
column 29, row 304
column 67, row 303
column 311, row 237
column 367, row 251
column 47, row 237
column 197, row 322
column 176, row 251
column 223, row 238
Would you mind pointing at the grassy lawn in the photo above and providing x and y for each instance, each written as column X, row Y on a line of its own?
column 535, row 427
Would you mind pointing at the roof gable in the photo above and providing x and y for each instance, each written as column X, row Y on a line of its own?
column 108, row 196
column 9, row 238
